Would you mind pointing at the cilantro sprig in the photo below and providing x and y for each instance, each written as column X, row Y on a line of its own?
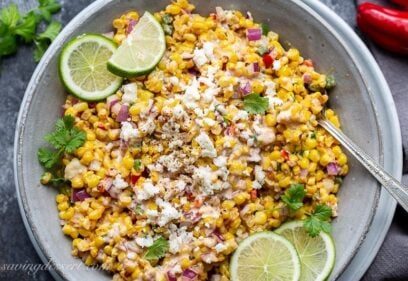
column 16, row 28
column 157, row 250
column 318, row 220
column 65, row 139
column 255, row 104
column 294, row 196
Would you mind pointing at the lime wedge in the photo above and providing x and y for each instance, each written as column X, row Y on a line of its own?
column 317, row 254
column 82, row 67
column 141, row 51
column 265, row 256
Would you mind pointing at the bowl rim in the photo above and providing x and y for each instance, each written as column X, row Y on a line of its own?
column 339, row 28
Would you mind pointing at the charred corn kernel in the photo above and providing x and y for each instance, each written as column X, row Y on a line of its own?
column 304, row 163
column 310, row 143
column 190, row 37
column 240, row 198
column 173, row 9
column 118, row 23
column 275, row 155
column 128, row 161
column 133, row 15
column 228, row 204
column 118, row 38
column 260, row 218
column 325, row 159
column 95, row 214
column 87, row 157
column 285, row 182
column 63, row 206
column 107, row 250
column 69, row 230
column 68, row 214
column 92, row 180
column 342, row 159
column 185, row 263
column 61, row 198
column 270, row 120
column 314, row 155
column 77, row 182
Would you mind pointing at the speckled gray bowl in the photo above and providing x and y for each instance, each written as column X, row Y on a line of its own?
column 362, row 99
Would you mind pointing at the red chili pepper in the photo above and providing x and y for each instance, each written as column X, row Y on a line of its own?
column 403, row 3
column 268, row 60
column 134, row 178
column 386, row 27
column 285, row 154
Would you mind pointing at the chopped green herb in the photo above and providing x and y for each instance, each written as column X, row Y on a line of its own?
column 157, row 250
column 265, row 29
column 226, row 120
column 318, row 221
column 338, row 180
column 255, row 104
column 137, row 164
column 138, row 210
column 330, row 82
column 65, row 139
column 168, row 29
column 167, row 19
column 294, row 196
column 313, row 135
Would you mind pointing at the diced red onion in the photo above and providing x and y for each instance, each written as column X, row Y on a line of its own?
column 123, row 114
column 307, row 78
column 219, row 236
column 112, row 100
column 170, row 276
column 79, row 195
column 189, row 274
column 256, row 67
column 303, row 173
column 333, row 169
column 74, row 101
column 131, row 25
column 116, row 108
column 254, row 34
column 245, row 88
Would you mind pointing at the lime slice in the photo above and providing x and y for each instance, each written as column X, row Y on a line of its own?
column 82, row 67
column 317, row 254
column 265, row 256
column 141, row 51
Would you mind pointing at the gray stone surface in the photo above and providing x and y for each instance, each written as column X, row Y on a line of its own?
column 15, row 73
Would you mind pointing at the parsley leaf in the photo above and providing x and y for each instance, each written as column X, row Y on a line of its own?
column 255, row 104
column 294, row 196
column 47, row 8
column 65, row 138
column 10, row 15
column 40, row 48
column 157, row 250
column 51, row 32
column 8, row 45
column 318, row 221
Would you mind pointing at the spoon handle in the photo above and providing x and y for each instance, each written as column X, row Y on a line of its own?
column 398, row 190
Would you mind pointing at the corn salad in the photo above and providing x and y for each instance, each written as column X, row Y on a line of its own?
column 188, row 163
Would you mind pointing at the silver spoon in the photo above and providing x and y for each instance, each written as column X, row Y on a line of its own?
column 398, row 190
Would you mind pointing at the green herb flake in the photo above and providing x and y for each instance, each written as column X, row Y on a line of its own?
column 157, row 250
column 330, row 82
column 167, row 19
column 138, row 209
column 265, row 29
column 294, row 196
column 137, row 164
column 255, row 104
column 318, row 221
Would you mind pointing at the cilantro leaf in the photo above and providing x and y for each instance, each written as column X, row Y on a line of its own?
column 137, row 164
column 323, row 212
column 27, row 27
column 48, row 158
column 40, row 48
column 51, row 32
column 157, row 250
column 65, row 138
column 138, row 209
column 47, row 8
column 255, row 104
column 10, row 15
column 318, row 221
column 8, row 45
column 294, row 196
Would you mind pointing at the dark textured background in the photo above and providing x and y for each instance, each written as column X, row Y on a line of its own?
column 15, row 246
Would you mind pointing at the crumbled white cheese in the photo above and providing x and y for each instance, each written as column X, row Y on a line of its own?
column 241, row 115
column 276, row 65
column 266, row 135
column 220, row 161
column 148, row 191
column 220, row 247
column 127, row 132
column 210, row 122
column 144, row 242
column 270, row 88
column 254, row 155
column 208, row 48
column 176, row 269
column 151, row 214
column 147, row 126
column 175, row 144
column 168, row 212
column 171, row 161
column 274, row 101
column 284, row 116
column 119, row 182
column 179, row 237
column 208, row 95
column 174, row 80
column 129, row 93
column 207, row 147
column 199, row 57
column 259, row 175
column 191, row 95
column 181, row 185
column 95, row 165
column 73, row 169
column 178, row 111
